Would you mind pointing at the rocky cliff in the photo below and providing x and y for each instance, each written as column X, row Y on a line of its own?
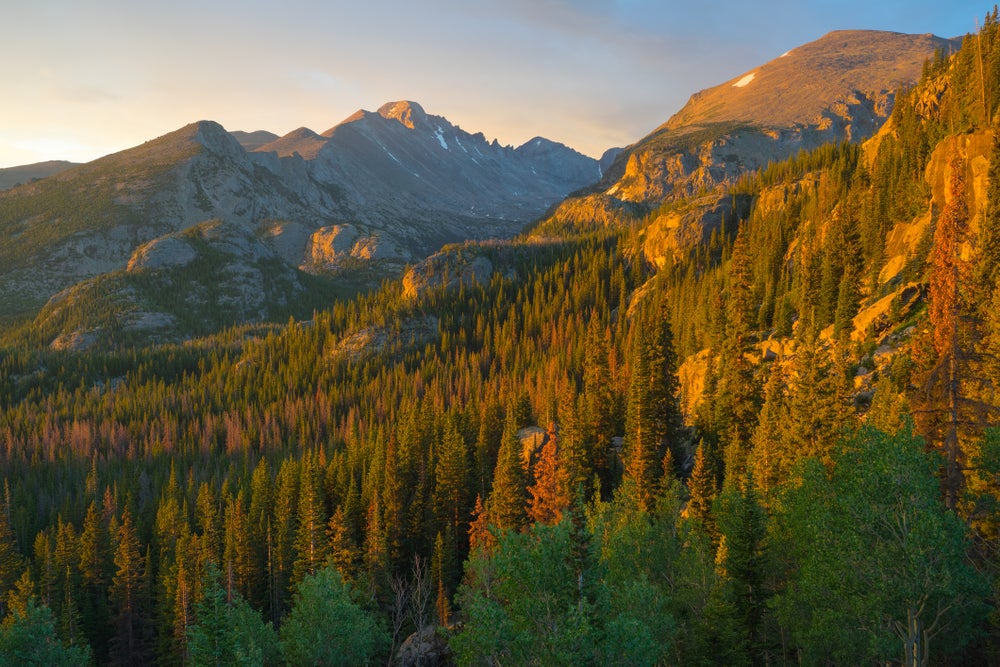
column 838, row 88
column 375, row 192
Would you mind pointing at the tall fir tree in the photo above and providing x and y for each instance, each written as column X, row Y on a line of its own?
column 948, row 410
column 507, row 501
column 129, row 645
column 702, row 491
column 310, row 535
column 549, row 495
column 642, row 452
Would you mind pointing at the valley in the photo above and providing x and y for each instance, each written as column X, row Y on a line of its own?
column 724, row 396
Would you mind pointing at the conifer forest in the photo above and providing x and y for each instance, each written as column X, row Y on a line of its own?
column 761, row 452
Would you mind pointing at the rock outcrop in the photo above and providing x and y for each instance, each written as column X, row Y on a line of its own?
column 375, row 192
column 838, row 88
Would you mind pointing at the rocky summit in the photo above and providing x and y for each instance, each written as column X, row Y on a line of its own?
column 839, row 88
column 371, row 194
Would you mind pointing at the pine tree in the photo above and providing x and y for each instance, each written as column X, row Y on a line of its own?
column 344, row 553
column 94, row 560
column 642, row 437
column 376, row 547
column 281, row 537
column 815, row 414
column 989, row 233
column 737, row 399
column 129, row 644
column 451, row 476
column 208, row 520
column 771, row 456
column 596, row 412
column 702, row 491
column 438, row 569
column 664, row 385
column 11, row 561
column 549, row 495
column 507, row 502
column 744, row 530
column 258, row 518
column 480, row 537
column 237, row 552
column 310, row 536
column 948, row 411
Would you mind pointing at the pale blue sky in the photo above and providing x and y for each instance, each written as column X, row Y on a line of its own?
column 81, row 79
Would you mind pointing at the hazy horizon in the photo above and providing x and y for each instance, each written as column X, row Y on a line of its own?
column 82, row 82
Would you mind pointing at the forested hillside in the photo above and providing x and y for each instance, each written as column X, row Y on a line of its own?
column 776, row 447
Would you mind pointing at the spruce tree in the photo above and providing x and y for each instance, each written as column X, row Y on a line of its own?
column 310, row 535
column 702, row 491
column 642, row 452
column 129, row 645
column 664, row 386
column 743, row 525
column 550, row 492
column 948, row 410
column 507, row 502
column 11, row 561
column 451, row 500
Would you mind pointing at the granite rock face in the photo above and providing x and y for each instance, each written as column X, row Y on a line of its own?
column 374, row 193
column 839, row 88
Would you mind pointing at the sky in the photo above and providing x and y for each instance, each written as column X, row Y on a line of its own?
column 83, row 78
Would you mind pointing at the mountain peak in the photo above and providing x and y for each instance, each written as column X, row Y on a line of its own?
column 408, row 113
column 802, row 85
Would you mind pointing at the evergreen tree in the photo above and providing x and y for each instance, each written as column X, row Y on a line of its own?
column 238, row 552
column 310, row 537
column 507, row 502
column 94, row 560
column 743, row 525
column 988, row 272
column 596, row 412
column 129, row 645
column 281, row 537
column 11, row 561
column 480, row 536
column 664, row 385
column 702, row 491
column 451, row 500
column 642, row 438
column 736, row 400
column 947, row 409
column 344, row 554
column 549, row 495
column 815, row 414
column 772, row 454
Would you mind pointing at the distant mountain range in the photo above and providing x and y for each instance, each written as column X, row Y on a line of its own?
column 14, row 176
column 839, row 88
column 240, row 226
column 359, row 201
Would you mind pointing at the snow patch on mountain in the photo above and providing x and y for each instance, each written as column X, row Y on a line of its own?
column 440, row 138
column 745, row 80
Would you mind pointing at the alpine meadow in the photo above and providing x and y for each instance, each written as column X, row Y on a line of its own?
column 396, row 394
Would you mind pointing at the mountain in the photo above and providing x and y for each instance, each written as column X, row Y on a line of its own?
column 375, row 192
column 14, row 176
column 785, row 441
column 840, row 87
column 253, row 140
column 402, row 164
